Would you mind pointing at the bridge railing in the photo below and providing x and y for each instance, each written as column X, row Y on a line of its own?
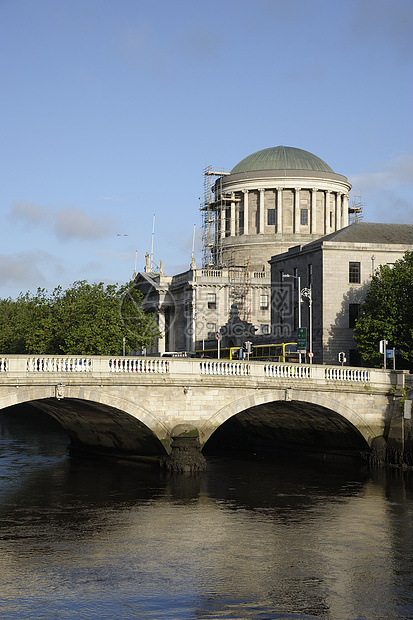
column 296, row 371
column 224, row 368
column 58, row 364
column 70, row 364
column 335, row 373
column 26, row 365
column 138, row 364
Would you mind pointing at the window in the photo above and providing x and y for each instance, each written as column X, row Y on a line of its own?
column 304, row 217
column 264, row 328
column 331, row 219
column 353, row 314
column 354, row 273
column 309, row 274
column 263, row 302
column 241, row 219
column 271, row 217
column 211, row 329
column 212, row 301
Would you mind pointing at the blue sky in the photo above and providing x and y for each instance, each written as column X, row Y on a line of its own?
column 112, row 109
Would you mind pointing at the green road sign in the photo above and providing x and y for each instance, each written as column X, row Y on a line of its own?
column 301, row 339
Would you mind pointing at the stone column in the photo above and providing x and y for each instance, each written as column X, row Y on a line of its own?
column 297, row 214
column 344, row 221
column 161, row 325
column 189, row 322
column 262, row 211
column 232, row 222
column 223, row 222
column 279, row 209
column 246, row 213
column 314, row 210
column 339, row 208
column 327, row 214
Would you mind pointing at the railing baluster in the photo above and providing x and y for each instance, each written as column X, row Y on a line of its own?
column 125, row 365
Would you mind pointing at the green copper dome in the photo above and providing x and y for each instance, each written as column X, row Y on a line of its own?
column 281, row 158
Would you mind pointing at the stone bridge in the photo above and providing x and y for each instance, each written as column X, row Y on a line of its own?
column 138, row 407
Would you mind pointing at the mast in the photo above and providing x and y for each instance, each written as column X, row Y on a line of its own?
column 193, row 242
column 153, row 237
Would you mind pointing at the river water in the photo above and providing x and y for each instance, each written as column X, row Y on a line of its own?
column 110, row 540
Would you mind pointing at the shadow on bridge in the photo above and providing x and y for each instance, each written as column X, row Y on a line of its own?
column 280, row 428
column 268, row 431
column 95, row 428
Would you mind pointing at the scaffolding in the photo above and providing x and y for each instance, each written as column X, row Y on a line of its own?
column 216, row 224
column 355, row 210
column 239, row 275
column 212, row 204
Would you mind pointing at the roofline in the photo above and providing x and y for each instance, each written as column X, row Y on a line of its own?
column 283, row 174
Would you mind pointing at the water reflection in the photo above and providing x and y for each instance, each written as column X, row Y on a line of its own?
column 95, row 539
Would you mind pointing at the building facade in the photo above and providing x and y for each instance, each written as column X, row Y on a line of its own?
column 271, row 200
column 335, row 271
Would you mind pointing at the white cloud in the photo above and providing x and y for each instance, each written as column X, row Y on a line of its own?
column 26, row 269
column 76, row 224
column 69, row 223
column 395, row 172
column 387, row 193
column 111, row 198
column 28, row 213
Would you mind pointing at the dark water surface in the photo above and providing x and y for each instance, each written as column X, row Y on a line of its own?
column 98, row 540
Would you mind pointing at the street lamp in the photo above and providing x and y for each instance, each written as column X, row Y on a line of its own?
column 298, row 278
column 218, row 334
column 307, row 292
column 198, row 314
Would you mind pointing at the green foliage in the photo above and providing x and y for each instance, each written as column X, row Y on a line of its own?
column 387, row 313
column 86, row 319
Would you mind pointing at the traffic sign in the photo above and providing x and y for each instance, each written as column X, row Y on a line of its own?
column 301, row 338
column 217, row 336
column 311, row 354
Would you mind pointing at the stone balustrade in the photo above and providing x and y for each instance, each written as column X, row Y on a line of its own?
column 22, row 365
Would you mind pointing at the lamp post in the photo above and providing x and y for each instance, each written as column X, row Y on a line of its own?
column 298, row 278
column 307, row 292
column 218, row 334
column 201, row 315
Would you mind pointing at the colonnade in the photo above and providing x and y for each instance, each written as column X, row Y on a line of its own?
column 335, row 202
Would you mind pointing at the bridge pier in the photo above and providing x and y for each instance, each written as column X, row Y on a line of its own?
column 186, row 455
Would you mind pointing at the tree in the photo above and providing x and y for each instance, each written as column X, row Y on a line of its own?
column 387, row 313
column 86, row 319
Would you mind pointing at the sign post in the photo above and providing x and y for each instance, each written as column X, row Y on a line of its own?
column 218, row 339
column 248, row 349
column 383, row 350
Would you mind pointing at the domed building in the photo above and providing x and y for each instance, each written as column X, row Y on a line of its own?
column 271, row 200
column 279, row 255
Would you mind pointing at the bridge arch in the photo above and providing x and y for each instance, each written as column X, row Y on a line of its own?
column 95, row 420
column 288, row 400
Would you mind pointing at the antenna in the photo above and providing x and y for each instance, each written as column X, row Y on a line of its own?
column 193, row 242
column 136, row 260
column 153, row 236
